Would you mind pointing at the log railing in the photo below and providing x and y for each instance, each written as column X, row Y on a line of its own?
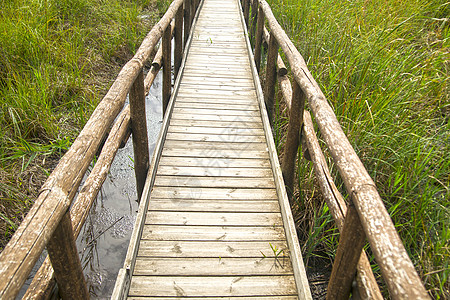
column 54, row 222
column 365, row 217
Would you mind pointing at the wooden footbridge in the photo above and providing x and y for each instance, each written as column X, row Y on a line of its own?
column 214, row 219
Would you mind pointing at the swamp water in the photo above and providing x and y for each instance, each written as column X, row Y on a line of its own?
column 103, row 243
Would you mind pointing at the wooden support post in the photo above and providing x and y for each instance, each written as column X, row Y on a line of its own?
column 271, row 76
column 63, row 254
column 293, row 137
column 254, row 18
column 187, row 20
column 351, row 243
column 246, row 11
column 193, row 10
column 178, row 52
column 258, row 38
column 139, row 132
column 167, row 67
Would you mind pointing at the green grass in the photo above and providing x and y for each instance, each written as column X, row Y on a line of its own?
column 384, row 68
column 57, row 60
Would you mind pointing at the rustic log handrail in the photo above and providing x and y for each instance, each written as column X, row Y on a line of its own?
column 39, row 227
column 397, row 269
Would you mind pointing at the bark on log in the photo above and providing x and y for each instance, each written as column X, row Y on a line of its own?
column 281, row 67
column 167, row 68
column 158, row 59
column 25, row 247
column 397, row 269
column 259, row 38
column 187, row 19
column 43, row 282
column 293, row 138
column 254, row 18
column 271, row 77
column 63, row 255
column 246, row 8
column 139, row 133
column 351, row 243
column 178, row 51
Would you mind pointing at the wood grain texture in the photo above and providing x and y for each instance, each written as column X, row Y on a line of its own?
column 220, row 205
column 199, row 266
column 214, row 249
column 212, row 286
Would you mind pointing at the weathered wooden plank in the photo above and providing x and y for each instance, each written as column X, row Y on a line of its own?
column 223, row 138
column 214, row 171
column 212, row 218
column 255, row 205
column 222, row 182
column 212, row 266
column 212, row 233
column 184, row 103
column 210, row 193
column 222, row 112
column 207, row 92
column 212, row 286
column 215, row 153
column 216, row 117
column 221, row 124
column 214, row 162
column 217, row 130
column 228, row 298
column 225, row 88
column 218, row 101
column 224, row 147
column 215, row 249
column 216, row 80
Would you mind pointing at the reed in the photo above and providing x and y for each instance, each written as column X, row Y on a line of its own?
column 384, row 68
column 57, row 60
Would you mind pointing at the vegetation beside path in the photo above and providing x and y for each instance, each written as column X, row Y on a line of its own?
column 384, row 68
column 57, row 60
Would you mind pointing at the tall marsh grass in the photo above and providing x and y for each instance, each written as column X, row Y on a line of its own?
column 384, row 67
column 57, row 58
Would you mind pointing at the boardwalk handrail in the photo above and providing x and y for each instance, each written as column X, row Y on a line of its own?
column 367, row 215
column 53, row 221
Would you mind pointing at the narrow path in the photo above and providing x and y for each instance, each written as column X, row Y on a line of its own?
column 214, row 227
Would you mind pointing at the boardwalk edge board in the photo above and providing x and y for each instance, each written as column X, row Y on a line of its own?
column 123, row 281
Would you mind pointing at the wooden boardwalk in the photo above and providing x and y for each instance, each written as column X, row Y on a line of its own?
column 217, row 222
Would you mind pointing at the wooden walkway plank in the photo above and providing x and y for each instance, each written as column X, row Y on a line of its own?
column 206, row 205
column 212, row 286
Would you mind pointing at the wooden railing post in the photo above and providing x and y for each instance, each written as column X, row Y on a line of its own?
column 187, row 20
column 246, row 8
column 271, row 75
column 255, row 7
column 293, row 137
column 66, row 263
column 178, row 52
column 351, row 243
column 193, row 10
column 167, row 67
column 258, row 38
column 139, row 132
